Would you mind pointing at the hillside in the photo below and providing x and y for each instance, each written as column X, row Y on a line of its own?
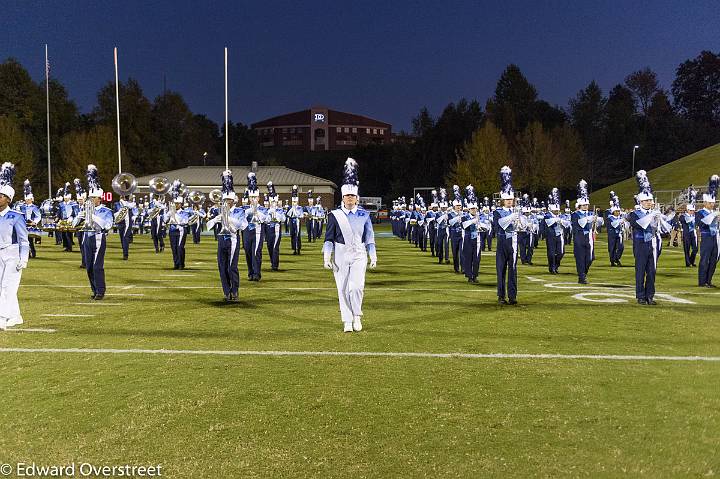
column 693, row 169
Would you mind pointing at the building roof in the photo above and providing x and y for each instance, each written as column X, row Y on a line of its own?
column 334, row 118
column 210, row 176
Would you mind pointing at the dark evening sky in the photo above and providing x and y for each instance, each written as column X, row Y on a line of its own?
column 383, row 59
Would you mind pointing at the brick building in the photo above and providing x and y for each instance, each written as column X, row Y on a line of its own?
column 321, row 129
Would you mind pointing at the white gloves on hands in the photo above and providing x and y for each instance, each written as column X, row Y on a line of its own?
column 21, row 265
column 373, row 263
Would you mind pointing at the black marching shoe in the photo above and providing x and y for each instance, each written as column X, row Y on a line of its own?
column 99, row 297
column 93, row 296
column 641, row 301
column 618, row 264
column 512, row 301
column 651, row 302
column 501, row 301
column 582, row 281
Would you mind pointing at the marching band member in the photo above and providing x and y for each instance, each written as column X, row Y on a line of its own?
column 689, row 231
column 67, row 211
column 319, row 217
column 294, row 214
column 98, row 222
column 645, row 223
column 231, row 220
column 525, row 235
column 213, row 211
column 555, row 232
column 583, row 223
column 431, row 219
column 421, row 224
column 456, row 231
column 157, row 226
column 504, row 222
column 615, row 225
column 276, row 216
column 124, row 225
column 567, row 217
column 471, row 243
column 486, row 234
column 32, row 215
column 349, row 238
column 707, row 220
column 254, row 234
column 197, row 227
column 56, row 208
column 442, row 239
column 14, row 250
column 310, row 218
column 80, row 197
column 176, row 217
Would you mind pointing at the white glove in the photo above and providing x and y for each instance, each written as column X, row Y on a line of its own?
column 21, row 265
column 373, row 263
column 328, row 264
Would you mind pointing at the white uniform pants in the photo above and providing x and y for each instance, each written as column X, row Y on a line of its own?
column 350, row 281
column 9, row 284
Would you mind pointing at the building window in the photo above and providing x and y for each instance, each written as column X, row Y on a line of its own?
column 354, row 130
column 292, row 130
column 347, row 130
column 374, row 131
column 367, row 130
column 382, row 132
column 338, row 130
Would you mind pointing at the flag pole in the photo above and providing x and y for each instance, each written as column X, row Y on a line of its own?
column 117, row 109
column 226, row 114
column 47, row 106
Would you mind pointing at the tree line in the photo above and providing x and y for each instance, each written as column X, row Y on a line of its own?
column 546, row 145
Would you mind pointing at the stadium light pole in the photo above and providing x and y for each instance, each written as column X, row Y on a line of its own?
column 633, row 167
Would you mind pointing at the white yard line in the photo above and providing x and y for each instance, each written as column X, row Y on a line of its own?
column 98, row 303
column 30, row 330
column 610, row 357
column 488, row 289
column 68, row 315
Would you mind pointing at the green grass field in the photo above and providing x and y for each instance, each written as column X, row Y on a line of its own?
column 677, row 175
column 231, row 416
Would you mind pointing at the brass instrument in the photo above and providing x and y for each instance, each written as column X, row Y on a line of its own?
column 215, row 196
column 159, row 186
column 47, row 211
column 124, row 184
column 197, row 198
column 227, row 227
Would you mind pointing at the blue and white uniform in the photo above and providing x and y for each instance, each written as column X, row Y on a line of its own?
column 14, row 252
column 707, row 222
column 350, row 257
column 294, row 215
column 177, row 231
column 273, row 234
column 689, row 237
column 94, row 245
